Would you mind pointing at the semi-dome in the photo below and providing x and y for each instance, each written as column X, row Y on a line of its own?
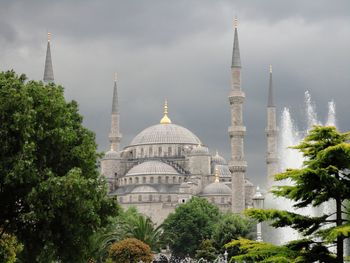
column 152, row 167
column 223, row 170
column 165, row 134
column 218, row 159
column 216, row 188
column 144, row 189
column 200, row 150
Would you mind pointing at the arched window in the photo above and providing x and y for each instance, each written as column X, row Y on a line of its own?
column 169, row 151
column 159, row 151
column 130, row 198
column 179, row 151
column 160, row 198
column 150, row 198
column 222, row 200
column 180, row 180
column 130, row 180
column 159, row 179
column 140, row 198
column 142, row 153
column 137, row 180
column 167, row 180
column 151, row 180
column 144, row 180
column 174, row 180
column 169, row 198
column 150, row 151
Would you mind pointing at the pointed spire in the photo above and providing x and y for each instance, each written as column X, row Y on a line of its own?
column 115, row 105
column 48, row 71
column 270, row 102
column 165, row 119
column 236, row 57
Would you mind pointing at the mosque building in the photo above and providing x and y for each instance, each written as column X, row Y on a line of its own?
column 167, row 164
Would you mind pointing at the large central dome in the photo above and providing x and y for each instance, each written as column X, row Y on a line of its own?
column 165, row 134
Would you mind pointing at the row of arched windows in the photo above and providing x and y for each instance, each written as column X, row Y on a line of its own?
column 145, row 198
column 157, row 151
column 151, row 180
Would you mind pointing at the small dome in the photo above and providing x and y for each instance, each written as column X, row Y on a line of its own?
column 111, row 154
column 216, row 188
column 144, row 189
column 200, row 150
column 165, row 134
column 223, row 170
column 152, row 167
column 218, row 159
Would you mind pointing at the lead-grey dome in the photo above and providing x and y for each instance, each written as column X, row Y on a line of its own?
column 218, row 159
column 152, row 167
column 165, row 134
column 216, row 188
column 144, row 189
column 223, row 170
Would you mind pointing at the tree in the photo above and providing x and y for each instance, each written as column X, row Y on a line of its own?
column 9, row 248
column 230, row 227
column 51, row 195
column 189, row 225
column 206, row 250
column 130, row 250
column 324, row 177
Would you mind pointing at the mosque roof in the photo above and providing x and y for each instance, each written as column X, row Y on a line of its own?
column 165, row 134
column 152, row 167
column 200, row 150
column 223, row 170
column 111, row 154
column 216, row 188
column 218, row 159
column 144, row 189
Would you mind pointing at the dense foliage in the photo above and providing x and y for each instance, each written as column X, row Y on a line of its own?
column 51, row 196
column 324, row 177
column 9, row 248
column 130, row 250
column 198, row 220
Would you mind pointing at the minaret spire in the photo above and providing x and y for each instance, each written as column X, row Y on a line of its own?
column 271, row 134
column 115, row 135
column 236, row 131
column 48, row 71
column 236, row 57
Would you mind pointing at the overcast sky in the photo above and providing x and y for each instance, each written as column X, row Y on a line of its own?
column 181, row 50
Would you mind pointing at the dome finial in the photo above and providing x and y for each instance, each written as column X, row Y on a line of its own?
column 165, row 119
column 48, row 36
column 217, row 180
column 270, row 68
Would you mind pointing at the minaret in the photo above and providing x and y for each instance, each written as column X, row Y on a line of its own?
column 271, row 134
column 48, row 71
column 115, row 135
column 236, row 131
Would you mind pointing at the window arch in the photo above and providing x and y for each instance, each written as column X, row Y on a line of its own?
column 140, row 198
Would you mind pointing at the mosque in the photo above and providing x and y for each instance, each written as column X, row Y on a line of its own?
column 166, row 164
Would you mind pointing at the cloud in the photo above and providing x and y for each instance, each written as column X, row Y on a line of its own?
column 181, row 50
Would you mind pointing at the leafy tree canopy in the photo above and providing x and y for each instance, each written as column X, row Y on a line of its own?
column 51, row 196
column 9, row 248
column 130, row 250
column 189, row 225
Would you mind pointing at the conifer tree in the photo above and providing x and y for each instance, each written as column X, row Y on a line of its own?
column 324, row 177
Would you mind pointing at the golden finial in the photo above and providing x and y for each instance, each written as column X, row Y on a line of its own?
column 217, row 180
column 48, row 36
column 165, row 119
column 217, row 153
column 235, row 22
column 115, row 76
column 270, row 68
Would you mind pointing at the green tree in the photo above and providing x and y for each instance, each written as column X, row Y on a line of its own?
column 189, row 225
column 130, row 250
column 51, row 196
column 230, row 227
column 206, row 250
column 324, row 177
column 9, row 248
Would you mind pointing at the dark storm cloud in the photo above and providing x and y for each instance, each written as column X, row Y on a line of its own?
column 181, row 50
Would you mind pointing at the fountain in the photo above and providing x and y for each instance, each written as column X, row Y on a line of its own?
column 290, row 135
